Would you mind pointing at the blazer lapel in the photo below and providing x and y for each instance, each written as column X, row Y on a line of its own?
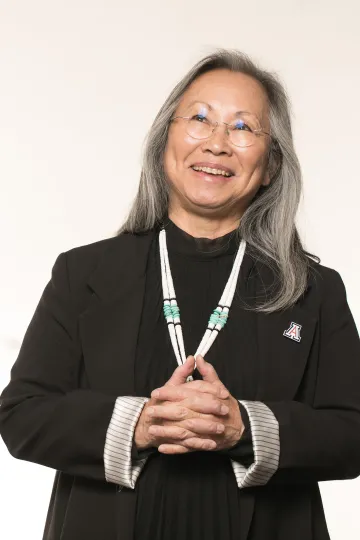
column 282, row 361
column 109, row 327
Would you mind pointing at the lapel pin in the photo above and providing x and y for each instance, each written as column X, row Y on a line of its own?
column 293, row 332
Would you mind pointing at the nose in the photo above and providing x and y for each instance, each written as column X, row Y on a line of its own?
column 218, row 142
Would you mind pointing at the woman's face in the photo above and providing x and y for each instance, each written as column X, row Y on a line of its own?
column 217, row 95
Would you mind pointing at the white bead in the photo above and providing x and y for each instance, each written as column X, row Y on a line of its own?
column 226, row 299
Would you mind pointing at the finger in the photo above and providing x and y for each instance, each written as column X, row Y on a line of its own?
column 173, row 449
column 181, row 373
column 199, row 444
column 216, row 388
column 171, row 393
column 206, row 370
column 205, row 405
column 191, row 446
column 201, row 426
column 167, row 412
column 177, row 393
column 172, row 433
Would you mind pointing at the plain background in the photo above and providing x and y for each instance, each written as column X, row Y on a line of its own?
column 81, row 81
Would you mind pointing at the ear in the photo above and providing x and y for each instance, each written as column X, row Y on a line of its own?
column 266, row 180
column 275, row 159
column 269, row 166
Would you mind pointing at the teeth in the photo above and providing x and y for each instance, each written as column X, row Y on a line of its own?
column 211, row 171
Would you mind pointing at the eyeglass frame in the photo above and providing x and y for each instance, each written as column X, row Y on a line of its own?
column 257, row 132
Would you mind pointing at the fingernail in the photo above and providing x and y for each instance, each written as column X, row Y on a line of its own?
column 212, row 444
column 224, row 409
column 220, row 428
column 224, row 393
column 155, row 393
column 151, row 411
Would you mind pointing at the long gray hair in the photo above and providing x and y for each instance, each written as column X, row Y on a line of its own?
column 268, row 224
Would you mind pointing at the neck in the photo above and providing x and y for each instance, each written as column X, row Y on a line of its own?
column 200, row 226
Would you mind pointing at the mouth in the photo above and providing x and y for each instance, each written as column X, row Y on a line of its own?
column 209, row 171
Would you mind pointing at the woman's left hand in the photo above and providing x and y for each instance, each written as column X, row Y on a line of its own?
column 232, row 421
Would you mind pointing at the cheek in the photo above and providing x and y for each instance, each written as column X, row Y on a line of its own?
column 176, row 156
column 253, row 161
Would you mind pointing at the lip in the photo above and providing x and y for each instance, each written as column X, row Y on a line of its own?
column 213, row 166
column 213, row 179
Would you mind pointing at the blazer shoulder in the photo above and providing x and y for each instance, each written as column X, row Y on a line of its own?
column 106, row 255
column 326, row 280
column 81, row 261
column 88, row 255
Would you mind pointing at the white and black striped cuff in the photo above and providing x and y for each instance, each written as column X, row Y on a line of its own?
column 119, row 468
column 266, row 444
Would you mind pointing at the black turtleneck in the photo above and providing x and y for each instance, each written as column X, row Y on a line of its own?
column 195, row 495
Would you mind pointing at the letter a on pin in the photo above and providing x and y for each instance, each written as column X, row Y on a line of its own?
column 293, row 332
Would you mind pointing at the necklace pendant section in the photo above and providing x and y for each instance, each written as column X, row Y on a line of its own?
column 171, row 310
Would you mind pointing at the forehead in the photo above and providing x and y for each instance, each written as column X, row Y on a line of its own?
column 227, row 92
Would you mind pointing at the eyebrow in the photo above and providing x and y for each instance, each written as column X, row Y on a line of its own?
column 211, row 108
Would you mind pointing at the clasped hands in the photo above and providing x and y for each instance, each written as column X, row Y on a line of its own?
column 183, row 417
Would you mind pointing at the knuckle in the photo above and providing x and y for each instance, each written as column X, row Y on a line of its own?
column 196, row 443
column 183, row 434
column 182, row 412
column 155, row 431
column 220, row 388
column 217, row 405
column 209, row 445
column 205, row 444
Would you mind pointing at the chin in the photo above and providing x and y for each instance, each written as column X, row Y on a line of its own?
column 206, row 201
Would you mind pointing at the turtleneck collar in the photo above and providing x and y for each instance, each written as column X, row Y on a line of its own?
column 179, row 241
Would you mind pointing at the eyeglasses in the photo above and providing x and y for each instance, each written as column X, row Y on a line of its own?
column 242, row 132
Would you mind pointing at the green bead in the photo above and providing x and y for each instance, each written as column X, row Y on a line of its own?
column 167, row 311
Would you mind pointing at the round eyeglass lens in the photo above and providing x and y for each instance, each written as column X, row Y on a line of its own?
column 241, row 131
column 242, row 137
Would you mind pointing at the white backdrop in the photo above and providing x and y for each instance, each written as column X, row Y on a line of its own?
column 80, row 82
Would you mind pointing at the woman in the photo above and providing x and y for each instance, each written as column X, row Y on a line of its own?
column 105, row 388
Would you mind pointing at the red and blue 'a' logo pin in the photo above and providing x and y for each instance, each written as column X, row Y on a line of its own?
column 293, row 332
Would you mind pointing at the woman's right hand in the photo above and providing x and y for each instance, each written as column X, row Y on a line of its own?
column 208, row 425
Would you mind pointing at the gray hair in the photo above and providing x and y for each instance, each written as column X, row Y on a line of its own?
column 268, row 224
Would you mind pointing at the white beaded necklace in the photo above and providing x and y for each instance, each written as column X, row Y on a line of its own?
column 172, row 312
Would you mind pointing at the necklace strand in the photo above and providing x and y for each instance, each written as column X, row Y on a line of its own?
column 217, row 319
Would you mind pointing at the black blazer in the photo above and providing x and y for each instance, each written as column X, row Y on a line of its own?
column 77, row 357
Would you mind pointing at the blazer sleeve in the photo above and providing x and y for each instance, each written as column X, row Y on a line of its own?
column 123, row 461
column 45, row 417
column 242, row 451
column 319, row 442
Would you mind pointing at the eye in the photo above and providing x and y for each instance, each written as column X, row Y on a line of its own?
column 241, row 126
column 199, row 118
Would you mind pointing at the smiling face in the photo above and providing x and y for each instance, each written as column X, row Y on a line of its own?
column 218, row 96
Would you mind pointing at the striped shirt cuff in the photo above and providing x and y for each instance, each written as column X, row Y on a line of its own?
column 119, row 467
column 266, row 444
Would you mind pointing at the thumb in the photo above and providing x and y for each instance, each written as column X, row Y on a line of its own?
column 206, row 370
column 182, row 372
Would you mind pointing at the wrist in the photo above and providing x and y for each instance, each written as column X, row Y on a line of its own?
column 140, row 439
column 239, row 424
